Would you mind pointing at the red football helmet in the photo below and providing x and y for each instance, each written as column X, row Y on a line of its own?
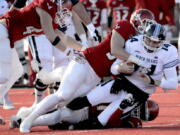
column 152, row 110
column 141, row 18
column 148, row 111
column 63, row 17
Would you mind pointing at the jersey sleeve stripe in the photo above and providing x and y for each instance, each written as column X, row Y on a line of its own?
column 171, row 64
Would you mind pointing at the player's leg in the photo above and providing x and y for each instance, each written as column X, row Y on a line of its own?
column 100, row 94
column 21, row 53
column 5, row 59
column 16, row 73
column 41, row 50
column 10, row 67
column 68, row 87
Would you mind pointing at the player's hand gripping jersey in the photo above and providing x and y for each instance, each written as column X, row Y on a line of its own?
column 99, row 57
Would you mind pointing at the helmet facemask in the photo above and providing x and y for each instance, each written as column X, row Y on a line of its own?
column 63, row 15
column 141, row 18
column 153, row 38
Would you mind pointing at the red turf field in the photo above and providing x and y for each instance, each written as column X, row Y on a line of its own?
column 168, row 122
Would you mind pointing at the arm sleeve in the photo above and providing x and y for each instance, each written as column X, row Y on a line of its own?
column 170, row 81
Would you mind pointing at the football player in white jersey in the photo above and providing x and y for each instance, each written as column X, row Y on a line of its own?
column 129, row 90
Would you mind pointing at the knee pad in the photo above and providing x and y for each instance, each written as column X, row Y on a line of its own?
column 40, row 86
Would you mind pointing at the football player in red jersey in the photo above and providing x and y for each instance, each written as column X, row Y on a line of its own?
column 120, row 9
column 85, row 73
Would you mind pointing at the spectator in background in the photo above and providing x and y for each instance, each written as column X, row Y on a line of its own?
column 120, row 10
column 169, row 28
column 98, row 12
column 157, row 7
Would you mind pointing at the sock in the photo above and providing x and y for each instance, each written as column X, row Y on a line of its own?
column 39, row 95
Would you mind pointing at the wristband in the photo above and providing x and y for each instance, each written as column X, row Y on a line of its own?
column 56, row 41
column 151, row 81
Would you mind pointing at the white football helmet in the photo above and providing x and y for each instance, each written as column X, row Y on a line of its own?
column 154, row 37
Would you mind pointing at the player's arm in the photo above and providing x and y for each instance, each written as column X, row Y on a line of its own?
column 120, row 66
column 69, row 41
column 117, row 46
column 82, row 13
column 46, row 24
column 79, row 28
column 52, row 35
column 117, row 50
column 170, row 82
column 80, row 10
